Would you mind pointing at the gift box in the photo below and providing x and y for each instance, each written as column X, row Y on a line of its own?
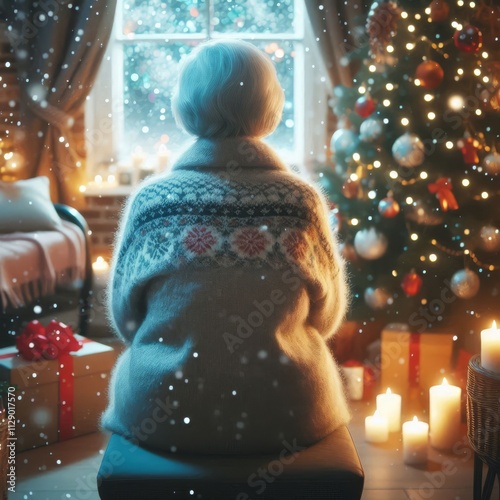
column 57, row 399
column 411, row 363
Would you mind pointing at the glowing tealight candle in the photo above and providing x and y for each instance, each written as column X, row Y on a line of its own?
column 101, row 269
column 389, row 405
column 376, row 428
column 490, row 348
column 415, row 441
column 444, row 415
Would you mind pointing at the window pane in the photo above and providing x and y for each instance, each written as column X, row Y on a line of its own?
column 253, row 16
column 150, row 73
column 163, row 16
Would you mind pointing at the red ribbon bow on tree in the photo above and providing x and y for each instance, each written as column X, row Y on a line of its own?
column 51, row 342
column 442, row 189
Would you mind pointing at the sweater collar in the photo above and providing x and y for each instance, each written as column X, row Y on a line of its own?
column 229, row 153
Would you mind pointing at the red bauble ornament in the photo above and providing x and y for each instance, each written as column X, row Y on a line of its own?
column 411, row 284
column 388, row 207
column 430, row 74
column 364, row 106
column 468, row 39
column 350, row 189
column 440, row 11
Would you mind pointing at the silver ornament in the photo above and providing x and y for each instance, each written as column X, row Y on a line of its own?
column 370, row 243
column 408, row 150
column 377, row 298
column 465, row 284
column 371, row 130
column 491, row 163
column 490, row 238
column 344, row 141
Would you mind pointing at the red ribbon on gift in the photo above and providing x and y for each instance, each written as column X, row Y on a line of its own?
column 55, row 341
column 442, row 189
column 414, row 362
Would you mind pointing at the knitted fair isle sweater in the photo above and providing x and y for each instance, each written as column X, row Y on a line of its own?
column 225, row 285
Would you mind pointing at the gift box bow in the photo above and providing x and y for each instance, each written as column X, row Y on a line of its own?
column 51, row 342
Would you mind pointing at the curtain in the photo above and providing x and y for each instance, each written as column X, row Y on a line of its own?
column 336, row 25
column 59, row 45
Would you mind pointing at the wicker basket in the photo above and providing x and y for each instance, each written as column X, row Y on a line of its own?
column 483, row 411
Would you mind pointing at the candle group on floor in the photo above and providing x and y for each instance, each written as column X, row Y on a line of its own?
column 444, row 422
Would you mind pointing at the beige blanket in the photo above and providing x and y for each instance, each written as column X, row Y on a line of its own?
column 34, row 264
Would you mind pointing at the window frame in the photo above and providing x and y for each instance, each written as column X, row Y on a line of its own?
column 105, row 107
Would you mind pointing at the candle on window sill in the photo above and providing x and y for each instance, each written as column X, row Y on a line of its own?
column 376, row 428
column 138, row 157
column 163, row 158
column 444, row 415
column 490, row 348
column 100, row 270
column 415, row 442
column 389, row 405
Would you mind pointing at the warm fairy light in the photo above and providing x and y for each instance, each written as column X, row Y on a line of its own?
column 422, row 258
column 433, row 257
column 372, row 195
column 404, row 14
column 393, row 174
column 466, row 252
column 111, row 179
column 431, row 115
column 466, row 232
column 362, row 89
column 428, row 10
column 423, row 175
column 386, row 103
column 418, row 16
column 414, row 236
column 389, row 86
column 472, row 5
column 355, row 157
column 477, row 71
column 460, row 3
column 460, row 71
column 354, row 222
column 411, row 28
column 484, row 195
column 377, row 164
column 478, row 112
column 457, row 26
column 405, row 121
column 428, row 97
column 354, row 177
column 98, row 179
column 372, row 68
column 449, row 145
column 465, row 182
column 417, row 82
column 394, row 273
column 485, row 55
column 410, row 46
column 486, row 79
column 456, row 102
column 409, row 200
column 389, row 49
column 82, row 189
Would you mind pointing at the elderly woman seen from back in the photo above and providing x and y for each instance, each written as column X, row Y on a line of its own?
column 226, row 282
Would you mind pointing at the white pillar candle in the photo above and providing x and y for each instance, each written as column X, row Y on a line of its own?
column 376, row 428
column 444, row 415
column 163, row 158
column 415, row 440
column 389, row 405
column 490, row 348
column 101, row 271
column 354, row 381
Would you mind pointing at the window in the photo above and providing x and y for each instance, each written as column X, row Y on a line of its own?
column 131, row 99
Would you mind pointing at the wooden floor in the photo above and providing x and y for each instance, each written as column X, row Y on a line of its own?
column 68, row 470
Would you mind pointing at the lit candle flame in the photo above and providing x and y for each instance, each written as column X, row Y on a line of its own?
column 494, row 325
column 445, row 382
column 388, row 391
column 415, row 419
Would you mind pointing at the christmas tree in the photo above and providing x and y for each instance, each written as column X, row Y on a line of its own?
column 414, row 183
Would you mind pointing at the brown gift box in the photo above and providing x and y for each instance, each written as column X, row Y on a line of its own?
column 37, row 388
column 411, row 363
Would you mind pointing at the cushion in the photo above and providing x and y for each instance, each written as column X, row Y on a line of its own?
column 329, row 469
column 26, row 206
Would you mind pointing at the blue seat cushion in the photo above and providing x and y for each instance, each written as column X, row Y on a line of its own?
column 330, row 469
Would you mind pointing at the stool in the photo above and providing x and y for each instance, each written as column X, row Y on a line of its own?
column 330, row 469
